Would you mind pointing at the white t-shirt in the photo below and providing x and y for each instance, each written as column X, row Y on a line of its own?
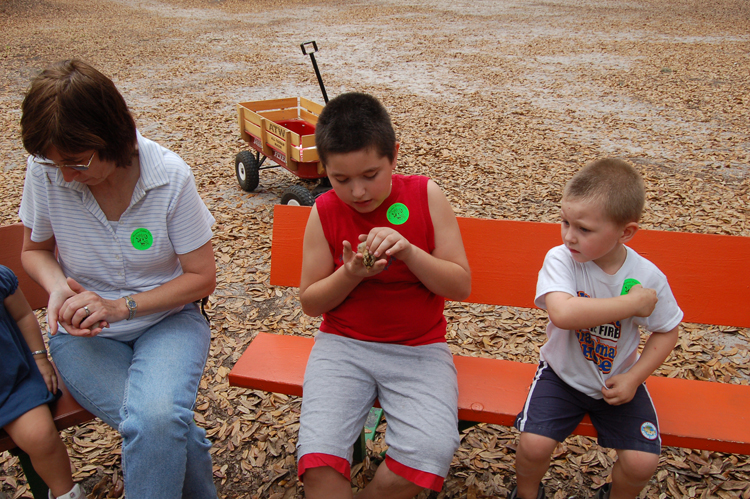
column 584, row 359
column 166, row 218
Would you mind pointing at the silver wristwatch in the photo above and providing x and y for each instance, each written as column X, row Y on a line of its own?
column 132, row 306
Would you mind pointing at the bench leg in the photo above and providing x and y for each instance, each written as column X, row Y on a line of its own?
column 371, row 424
column 368, row 433
column 38, row 488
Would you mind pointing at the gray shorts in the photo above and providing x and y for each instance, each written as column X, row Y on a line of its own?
column 415, row 385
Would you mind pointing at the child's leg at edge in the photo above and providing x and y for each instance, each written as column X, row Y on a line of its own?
column 532, row 461
column 36, row 435
column 325, row 482
column 631, row 473
column 386, row 483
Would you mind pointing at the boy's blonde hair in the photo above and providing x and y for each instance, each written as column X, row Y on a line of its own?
column 613, row 182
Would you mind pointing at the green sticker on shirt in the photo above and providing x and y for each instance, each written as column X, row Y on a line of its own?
column 398, row 213
column 141, row 239
column 629, row 283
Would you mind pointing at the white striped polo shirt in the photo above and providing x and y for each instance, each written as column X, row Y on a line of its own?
column 166, row 218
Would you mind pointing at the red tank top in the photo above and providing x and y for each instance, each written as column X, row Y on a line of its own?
column 392, row 306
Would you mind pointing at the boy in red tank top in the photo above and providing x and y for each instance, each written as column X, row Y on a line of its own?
column 383, row 329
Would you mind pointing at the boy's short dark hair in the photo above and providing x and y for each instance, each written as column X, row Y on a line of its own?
column 615, row 183
column 74, row 108
column 352, row 122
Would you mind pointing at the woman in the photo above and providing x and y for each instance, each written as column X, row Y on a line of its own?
column 116, row 233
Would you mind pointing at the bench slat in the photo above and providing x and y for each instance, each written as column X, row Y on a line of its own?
column 505, row 257
column 275, row 363
column 704, row 271
column 494, row 391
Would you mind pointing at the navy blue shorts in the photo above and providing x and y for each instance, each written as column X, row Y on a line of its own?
column 553, row 409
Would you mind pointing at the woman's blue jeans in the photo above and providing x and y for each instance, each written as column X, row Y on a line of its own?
column 146, row 389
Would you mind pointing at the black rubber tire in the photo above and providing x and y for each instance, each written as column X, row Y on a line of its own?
column 247, row 169
column 323, row 186
column 297, row 195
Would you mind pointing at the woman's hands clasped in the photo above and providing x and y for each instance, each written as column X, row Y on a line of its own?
column 81, row 312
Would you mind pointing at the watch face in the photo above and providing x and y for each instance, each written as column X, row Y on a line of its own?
column 131, row 304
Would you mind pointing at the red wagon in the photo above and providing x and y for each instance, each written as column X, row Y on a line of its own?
column 284, row 131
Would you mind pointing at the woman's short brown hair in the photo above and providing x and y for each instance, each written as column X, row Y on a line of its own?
column 74, row 108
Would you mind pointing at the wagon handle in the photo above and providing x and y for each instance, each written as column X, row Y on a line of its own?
column 310, row 48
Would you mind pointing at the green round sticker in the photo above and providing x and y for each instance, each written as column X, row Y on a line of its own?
column 398, row 213
column 141, row 239
column 629, row 283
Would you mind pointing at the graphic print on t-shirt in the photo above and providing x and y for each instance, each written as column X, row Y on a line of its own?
column 599, row 344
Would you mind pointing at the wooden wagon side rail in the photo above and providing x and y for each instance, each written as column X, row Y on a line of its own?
column 259, row 123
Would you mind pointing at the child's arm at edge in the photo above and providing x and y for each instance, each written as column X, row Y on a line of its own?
column 21, row 312
column 576, row 312
column 321, row 289
column 621, row 387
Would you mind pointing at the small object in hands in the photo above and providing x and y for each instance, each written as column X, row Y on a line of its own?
column 368, row 258
column 86, row 309
column 629, row 283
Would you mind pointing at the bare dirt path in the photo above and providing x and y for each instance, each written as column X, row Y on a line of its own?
column 499, row 102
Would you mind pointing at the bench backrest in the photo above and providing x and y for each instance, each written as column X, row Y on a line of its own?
column 707, row 273
column 11, row 242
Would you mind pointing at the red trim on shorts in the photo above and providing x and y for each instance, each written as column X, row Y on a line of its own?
column 421, row 478
column 317, row 460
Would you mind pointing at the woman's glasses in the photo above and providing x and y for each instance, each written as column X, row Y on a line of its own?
column 80, row 168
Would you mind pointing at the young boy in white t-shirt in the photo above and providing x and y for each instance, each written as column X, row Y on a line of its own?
column 597, row 292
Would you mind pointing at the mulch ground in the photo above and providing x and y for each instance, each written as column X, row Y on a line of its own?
column 498, row 102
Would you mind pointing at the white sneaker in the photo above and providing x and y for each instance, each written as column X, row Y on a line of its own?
column 75, row 493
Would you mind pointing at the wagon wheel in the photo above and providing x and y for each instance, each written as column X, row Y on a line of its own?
column 247, row 168
column 323, row 186
column 296, row 195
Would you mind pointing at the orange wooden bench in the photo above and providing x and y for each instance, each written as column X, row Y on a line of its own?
column 705, row 272
column 65, row 410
